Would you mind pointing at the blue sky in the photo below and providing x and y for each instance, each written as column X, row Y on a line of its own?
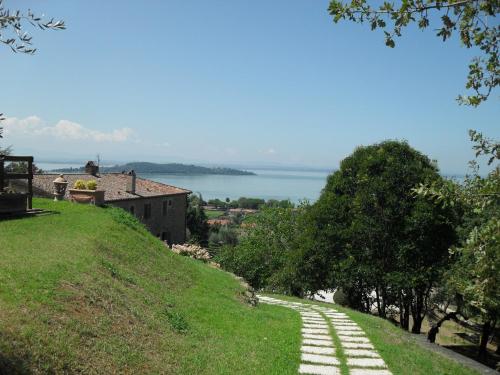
column 244, row 82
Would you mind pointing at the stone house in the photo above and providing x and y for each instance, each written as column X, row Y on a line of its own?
column 162, row 208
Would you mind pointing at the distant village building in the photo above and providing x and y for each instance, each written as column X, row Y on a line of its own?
column 221, row 222
column 162, row 208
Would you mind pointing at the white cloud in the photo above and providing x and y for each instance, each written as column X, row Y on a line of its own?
column 269, row 151
column 14, row 125
column 63, row 129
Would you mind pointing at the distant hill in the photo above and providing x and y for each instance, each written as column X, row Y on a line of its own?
column 171, row 168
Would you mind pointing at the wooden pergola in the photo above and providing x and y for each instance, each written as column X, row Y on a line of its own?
column 5, row 176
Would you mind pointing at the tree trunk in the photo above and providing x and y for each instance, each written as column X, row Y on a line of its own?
column 383, row 304
column 417, row 324
column 485, row 334
column 431, row 335
column 401, row 309
column 446, row 305
column 416, row 311
column 377, row 298
column 406, row 315
column 366, row 304
column 497, row 338
column 404, row 311
column 296, row 291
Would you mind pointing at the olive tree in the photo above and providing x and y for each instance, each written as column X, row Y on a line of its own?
column 475, row 275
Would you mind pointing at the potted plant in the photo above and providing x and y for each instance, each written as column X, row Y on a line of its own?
column 86, row 192
column 12, row 202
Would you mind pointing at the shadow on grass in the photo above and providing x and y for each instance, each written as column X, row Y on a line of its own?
column 14, row 365
column 490, row 359
column 13, row 361
column 24, row 215
column 473, row 338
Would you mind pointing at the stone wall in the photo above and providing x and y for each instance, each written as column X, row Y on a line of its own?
column 169, row 226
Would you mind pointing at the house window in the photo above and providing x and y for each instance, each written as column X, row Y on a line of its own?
column 170, row 202
column 165, row 208
column 132, row 210
column 147, row 210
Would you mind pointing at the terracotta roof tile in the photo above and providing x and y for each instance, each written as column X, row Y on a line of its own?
column 114, row 184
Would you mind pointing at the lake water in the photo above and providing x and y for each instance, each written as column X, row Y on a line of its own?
column 266, row 184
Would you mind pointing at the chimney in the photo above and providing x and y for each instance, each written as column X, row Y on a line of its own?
column 131, row 182
column 91, row 168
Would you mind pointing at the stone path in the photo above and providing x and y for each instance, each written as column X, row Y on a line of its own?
column 318, row 351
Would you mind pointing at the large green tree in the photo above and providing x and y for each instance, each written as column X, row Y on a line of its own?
column 387, row 246
column 473, row 20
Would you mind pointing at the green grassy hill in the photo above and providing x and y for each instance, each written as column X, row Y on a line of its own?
column 89, row 290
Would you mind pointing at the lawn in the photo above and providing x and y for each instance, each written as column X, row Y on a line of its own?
column 400, row 352
column 214, row 214
column 89, row 290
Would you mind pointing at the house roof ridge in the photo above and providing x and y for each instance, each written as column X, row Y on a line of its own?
column 164, row 184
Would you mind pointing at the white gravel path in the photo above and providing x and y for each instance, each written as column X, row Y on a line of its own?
column 318, row 350
column 362, row 358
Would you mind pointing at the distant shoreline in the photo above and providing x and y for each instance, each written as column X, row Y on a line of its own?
column 70, row 167
column 168, row 168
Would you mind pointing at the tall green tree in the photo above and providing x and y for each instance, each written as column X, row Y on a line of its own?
column 264, row 253
column 196, row 220
column 473, row 20
column 381, row 239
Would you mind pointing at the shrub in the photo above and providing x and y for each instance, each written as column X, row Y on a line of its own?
column 268, row 250
column 223, row 235
column 92, row 185
column 193, row 251
column 80, row 185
